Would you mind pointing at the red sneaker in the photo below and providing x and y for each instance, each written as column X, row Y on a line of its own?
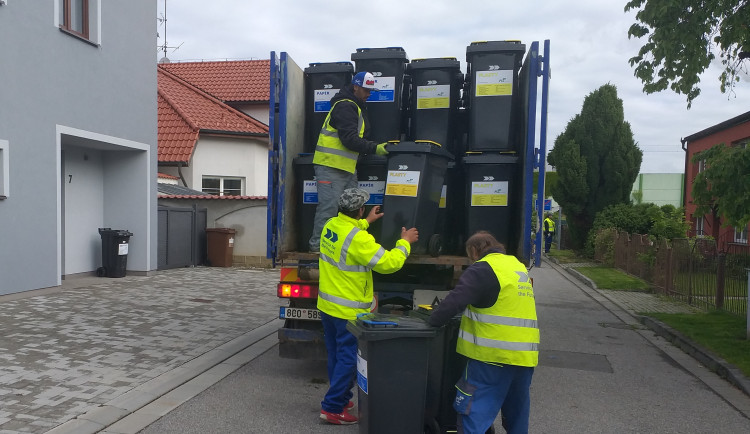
column 343, row 418
column 349, row 405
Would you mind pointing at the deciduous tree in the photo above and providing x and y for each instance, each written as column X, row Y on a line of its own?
column 683, row 38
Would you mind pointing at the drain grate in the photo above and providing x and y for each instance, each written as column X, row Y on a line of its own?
column 201, row 300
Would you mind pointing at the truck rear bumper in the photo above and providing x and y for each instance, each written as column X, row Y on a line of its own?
column 302, row 344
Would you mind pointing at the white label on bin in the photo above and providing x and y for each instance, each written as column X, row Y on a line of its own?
column 231, row 242
column 122, row 249
column 310, row 192
column 443, row 195
column 402, row 183
column 376, row 190
column 433, row 97
column 387, row 86
column 489, row 193
column 361, row 373
column 494, row 83
column 322, row 101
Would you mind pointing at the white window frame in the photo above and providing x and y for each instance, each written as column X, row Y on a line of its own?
column 221, row 183
column 740, row 236
column 699, row 225
column 4, row 170
column 95, row 19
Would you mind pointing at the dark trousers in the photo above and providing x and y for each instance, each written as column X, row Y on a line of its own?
column 548, row 241
column 342, row 363
column 485, row 389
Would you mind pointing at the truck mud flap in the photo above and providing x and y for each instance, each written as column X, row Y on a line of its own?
column 301, row 344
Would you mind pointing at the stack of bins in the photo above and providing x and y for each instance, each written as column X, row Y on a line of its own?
column 322, row 82
column 434, row 100
column 384, row 107
column 416, row 174
column 372, row 171
column 307, row 201
column 491, row 165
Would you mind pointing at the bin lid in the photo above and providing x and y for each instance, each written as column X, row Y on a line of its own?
column 221, row 230
column 380, row 53
column 495, row 47
column 115, row 232
column 435, row 63
column 418, row 148
column 376, row 326
column 328, row 67
column 488, row 158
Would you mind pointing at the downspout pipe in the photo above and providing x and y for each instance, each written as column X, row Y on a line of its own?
column 179, row 172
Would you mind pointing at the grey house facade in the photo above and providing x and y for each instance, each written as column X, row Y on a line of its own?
column 78, row 137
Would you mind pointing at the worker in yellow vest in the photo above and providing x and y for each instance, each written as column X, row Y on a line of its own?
column 342, row 138
column 498, row 335
column 348, row 255
column 549, row 232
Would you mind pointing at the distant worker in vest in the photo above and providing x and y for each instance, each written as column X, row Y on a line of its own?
column 498, row 334
column 549, row 232
column 348, row 255
column 342, row 138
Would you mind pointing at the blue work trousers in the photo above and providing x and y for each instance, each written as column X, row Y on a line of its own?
column 485, row 389
column 548, row 241
column 331, row 184
column 342, row 363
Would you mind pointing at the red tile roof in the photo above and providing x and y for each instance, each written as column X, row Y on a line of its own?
column 229, row 81
column 165, row 176
column 185, row 110
column 210, row 197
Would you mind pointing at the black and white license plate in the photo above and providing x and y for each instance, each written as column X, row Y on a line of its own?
column 299, row 313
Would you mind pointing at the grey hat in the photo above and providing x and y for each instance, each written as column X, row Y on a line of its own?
column 353, row 199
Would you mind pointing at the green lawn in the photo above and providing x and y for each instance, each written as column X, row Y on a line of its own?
column 722, row 333
column 566, row 256
column 612, row 278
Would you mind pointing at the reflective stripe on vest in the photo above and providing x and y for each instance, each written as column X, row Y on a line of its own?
column 343, row 302
column 502, row 320
column 330, row 151
column 501, row 345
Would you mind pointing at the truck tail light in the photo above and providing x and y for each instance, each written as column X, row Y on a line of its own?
column 296, row 290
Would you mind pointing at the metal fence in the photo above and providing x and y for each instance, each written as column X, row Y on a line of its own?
column 690, row 270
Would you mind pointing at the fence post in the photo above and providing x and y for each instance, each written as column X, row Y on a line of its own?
column 720, row 272
column 668, row 285
column 748, row 303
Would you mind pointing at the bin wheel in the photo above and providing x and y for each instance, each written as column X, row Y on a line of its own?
column 431, row 426
column 101, row 272
column 435, row 246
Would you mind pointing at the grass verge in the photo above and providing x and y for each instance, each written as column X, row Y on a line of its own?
column 722, row 333
column 566, row 256
column 612, row 278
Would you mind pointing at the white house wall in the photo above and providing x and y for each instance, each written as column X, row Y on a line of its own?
column 258, row 111
column 59, row 93
column 231, row 157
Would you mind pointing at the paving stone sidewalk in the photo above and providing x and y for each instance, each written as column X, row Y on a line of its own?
column 68, row 351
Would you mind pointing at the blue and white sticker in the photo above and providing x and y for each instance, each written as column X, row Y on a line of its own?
column 310, row 192
column 361, row 372
column 387, row 86
column 376, row 190
column 322, row 100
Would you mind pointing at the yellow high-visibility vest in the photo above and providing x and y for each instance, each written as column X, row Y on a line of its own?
column 507, row 332
column 348, row 254
column 330, row 151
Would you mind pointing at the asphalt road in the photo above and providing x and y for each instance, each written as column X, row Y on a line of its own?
column 600, row 372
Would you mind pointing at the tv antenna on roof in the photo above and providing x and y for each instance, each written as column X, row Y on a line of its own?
column 164, row 47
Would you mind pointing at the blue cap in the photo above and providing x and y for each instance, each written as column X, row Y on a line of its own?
column 365, row 80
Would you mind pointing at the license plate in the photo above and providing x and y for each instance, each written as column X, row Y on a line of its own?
column 299, row 313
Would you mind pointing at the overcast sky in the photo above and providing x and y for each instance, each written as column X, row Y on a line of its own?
column 589, row 48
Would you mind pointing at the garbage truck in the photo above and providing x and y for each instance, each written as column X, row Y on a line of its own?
column 464, row 149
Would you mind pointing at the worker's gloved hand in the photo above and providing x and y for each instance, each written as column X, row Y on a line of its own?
column 380, row 150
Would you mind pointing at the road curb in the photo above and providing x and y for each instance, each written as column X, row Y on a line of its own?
column 707, row 358
column 712, row 362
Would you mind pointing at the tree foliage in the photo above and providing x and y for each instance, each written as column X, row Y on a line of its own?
column 597, row 161
column 682, row 38
column 723, row 187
